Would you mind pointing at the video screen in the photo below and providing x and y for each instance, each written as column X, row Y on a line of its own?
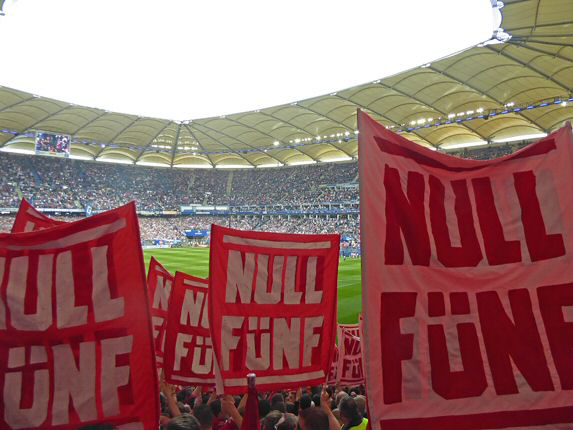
column 53, row 144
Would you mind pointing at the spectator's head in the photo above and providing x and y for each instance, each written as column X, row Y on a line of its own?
column 336, row 413
column 349, row 411
column 184, row 422
column 361, row 403
column 215, row 406
column 271, row 420
column 287, row 422
column 340, row 396
column 183, row 407
column 264, row 408
column 313, row 419
column 204, row 415
column 305, row 401
column 316, row 399
column 279, row 406
column 277, row 398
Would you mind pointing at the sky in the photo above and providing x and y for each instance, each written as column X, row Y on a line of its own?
column 190, row 59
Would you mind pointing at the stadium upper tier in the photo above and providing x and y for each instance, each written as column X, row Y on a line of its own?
column 490, row 92
column 72, row 184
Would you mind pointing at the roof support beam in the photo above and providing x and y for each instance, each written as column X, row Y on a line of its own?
column 238, row 140
column 119, row 133
column 175, row 144
column 477, row 90
column 148, row 144
column 441, row 112
column 385, row 117
column 200, row 145
column 17, row 103
column 89, row 123
column 267, row 135
column 194, row 125
column 538, row 50
column 31, row 127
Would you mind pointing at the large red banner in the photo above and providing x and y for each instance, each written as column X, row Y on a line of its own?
column 75, row 336
column 188, row 346
column 160, row 285
column 29, row 218
column 467, row 284
column 272, row 307
column 350, row 372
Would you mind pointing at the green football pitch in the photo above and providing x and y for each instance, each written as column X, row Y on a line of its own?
column 195, row 261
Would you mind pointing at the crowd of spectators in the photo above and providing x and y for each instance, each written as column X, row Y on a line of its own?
column 72, row 184
column 488, row 152
column 315, row 408
column 62, row 183
column 173, row 228
column 293, row 185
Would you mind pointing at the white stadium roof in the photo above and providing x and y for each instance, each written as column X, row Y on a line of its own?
column 516, row 85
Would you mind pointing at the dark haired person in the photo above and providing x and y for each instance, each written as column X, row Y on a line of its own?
column 313, row 419
column 351, row 416
column 204, row 415
column 184, row 422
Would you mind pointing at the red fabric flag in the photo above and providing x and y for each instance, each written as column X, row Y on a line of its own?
column 272, row 307
column 188, row 346
column 76, row 346
column 350, row 372
column 466, row 277
column 331, row 379
column 251, row 418
column 29, row 218
column 160, row 285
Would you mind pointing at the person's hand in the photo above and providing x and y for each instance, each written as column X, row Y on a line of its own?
column 228, row 404
column 299, row 393
column 229, row 409
column 163, row 421
column 167, row 389
column 324, row 398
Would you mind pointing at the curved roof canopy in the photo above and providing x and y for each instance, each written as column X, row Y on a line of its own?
column 492, row 92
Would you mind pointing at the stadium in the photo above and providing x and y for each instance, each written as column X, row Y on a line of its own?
column 289, row 168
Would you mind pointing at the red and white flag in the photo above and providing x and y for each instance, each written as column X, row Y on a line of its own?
column 29, row 218
column 160, row 285
column 188, row 346
column 75, row 335
column 350, row 372
column 467, row 284
column 331, row 379
column 272, row 307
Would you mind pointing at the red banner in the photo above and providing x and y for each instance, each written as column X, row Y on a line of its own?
column 160, row 285
column 188, row 346
column 272, row 307
column 331, row 379
column 350, row 372
column 75, row 336
column 467, row 284
column 29, row 218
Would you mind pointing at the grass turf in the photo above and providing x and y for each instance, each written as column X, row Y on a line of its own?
column 195, row 261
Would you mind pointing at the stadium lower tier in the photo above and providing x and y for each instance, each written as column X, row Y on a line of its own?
column 175, row 228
